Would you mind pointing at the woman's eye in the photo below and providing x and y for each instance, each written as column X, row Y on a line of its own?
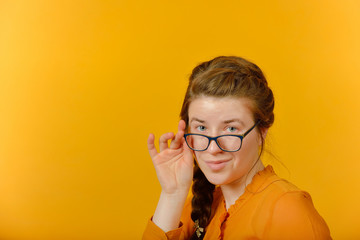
column 231, row 129
column 201, row 128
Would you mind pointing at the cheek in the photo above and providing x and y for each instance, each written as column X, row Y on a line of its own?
column 197, row 155
column 253, row 140
column 250, row 146
column 199, row 158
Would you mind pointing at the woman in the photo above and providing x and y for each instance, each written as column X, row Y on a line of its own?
column 226, row 113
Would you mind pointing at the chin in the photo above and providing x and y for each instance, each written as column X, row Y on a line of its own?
column 216, row 178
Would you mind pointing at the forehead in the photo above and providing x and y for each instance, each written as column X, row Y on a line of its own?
column 221, row 109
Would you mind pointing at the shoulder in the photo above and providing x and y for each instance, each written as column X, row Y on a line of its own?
column 292, row 214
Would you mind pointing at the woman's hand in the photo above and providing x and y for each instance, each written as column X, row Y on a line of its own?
column 174, row 163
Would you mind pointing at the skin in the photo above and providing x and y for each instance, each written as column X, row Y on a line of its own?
column 231, row 170
column 174, row 169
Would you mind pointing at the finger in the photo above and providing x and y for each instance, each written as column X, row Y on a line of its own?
column 151, row 146
column 177, row 142
column 163, row 141
column 188, row 154
column 182, row 125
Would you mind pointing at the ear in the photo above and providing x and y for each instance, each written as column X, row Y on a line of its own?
column 263, row 133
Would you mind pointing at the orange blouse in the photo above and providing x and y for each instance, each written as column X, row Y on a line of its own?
column 270, row 208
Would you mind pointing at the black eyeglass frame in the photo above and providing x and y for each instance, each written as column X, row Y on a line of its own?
column 241, row 136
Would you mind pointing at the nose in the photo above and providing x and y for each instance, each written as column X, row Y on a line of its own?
column 213, row 147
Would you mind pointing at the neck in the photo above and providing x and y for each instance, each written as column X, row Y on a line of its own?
column 233, row 191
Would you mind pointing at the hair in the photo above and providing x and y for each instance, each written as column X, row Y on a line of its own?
column 225, row 76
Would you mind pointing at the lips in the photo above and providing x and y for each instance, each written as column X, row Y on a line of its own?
column 216, row 165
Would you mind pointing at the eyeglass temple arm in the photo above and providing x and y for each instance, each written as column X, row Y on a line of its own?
column 247, row 132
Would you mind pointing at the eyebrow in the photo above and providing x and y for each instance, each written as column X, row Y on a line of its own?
column 197, row 120
column 234, row 120
column 226, row 121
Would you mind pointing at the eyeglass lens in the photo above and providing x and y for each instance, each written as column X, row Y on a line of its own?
column 227, row 143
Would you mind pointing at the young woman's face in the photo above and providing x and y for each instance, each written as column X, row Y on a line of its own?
column 218, row 116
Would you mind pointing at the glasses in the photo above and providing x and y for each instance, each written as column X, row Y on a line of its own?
column 227, row 143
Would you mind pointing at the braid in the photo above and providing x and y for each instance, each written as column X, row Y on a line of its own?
column 202, row 200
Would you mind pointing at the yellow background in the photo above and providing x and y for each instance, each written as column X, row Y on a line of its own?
column 83, row 83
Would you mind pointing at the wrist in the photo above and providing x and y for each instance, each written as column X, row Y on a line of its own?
column 178, row 194
column 168, row 211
